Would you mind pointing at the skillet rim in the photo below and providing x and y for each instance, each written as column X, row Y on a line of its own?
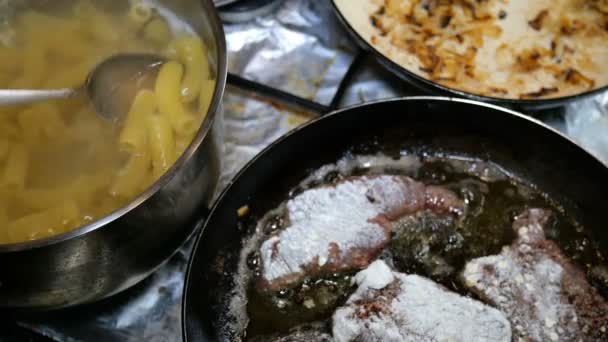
column 219, row 201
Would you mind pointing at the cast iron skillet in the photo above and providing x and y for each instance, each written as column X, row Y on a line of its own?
column 421, row 125
column 431, row 87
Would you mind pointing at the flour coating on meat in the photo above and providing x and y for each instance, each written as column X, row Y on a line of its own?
column 545, row 296
column 344, row 227
column 391, row 306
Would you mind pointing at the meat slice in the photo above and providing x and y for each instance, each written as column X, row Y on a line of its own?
column 545, row 296
column 391, row 306
column 343, row 226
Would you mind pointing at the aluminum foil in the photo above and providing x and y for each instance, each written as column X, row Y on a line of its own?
column 586, row 121
column 300, row 48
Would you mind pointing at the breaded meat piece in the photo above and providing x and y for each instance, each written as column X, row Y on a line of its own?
column 344, row 226
column 544, row 295
column 392, row 306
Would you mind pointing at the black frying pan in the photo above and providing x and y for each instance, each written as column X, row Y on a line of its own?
column 525, row 147
column 431, row 87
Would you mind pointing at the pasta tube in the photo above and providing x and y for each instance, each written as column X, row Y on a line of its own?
column 81, row 190
column 171, row 51
column 9, row 129
column 181, row 143
column 44, row 223
column 83, row 8
column 192, row 53
column 73, row 77
column 168, row 98
column 10, row 59
column 131, row 179
column 162, row 144
column 35, row 68
column 103, row 27
column 133, row 135
column 158, row 31
column 3, row 222
column 140, row 14
column 4, row 145
column 204, row 100
column 16, row 168
column 41, row 121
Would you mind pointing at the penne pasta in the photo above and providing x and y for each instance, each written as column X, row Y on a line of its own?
column 162, row 144
column 3, row 222
column 4, row 146
column 82, row 9
column 55, row 47
column 205, row 97
column 105, row 207
column 9, row 129
column 140, row 14
column 72, row 78
column 35, row 68
column 192, row 53
column 133, row 134
column 102, row 27
column 41, row 121
column 131, row 180
column 181, row 143
column 45, row 223
column 16, row 167
column 77, row 50
column 167, row 89
column 157, row 31
column 10, row 59
column 81, row 190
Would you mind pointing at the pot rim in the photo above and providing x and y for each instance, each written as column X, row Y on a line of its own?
column 204, row 130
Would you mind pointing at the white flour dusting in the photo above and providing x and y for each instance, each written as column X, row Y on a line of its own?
column 526, row 283
column 413, row 308
column 341, row 215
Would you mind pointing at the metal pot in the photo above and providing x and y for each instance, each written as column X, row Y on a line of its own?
column 119, row 250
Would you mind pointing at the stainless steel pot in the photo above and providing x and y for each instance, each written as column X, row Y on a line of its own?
column 117, row 251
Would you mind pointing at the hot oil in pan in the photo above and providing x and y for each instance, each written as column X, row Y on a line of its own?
column 426, row 244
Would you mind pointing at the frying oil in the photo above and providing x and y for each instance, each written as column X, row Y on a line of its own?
column 426, row 244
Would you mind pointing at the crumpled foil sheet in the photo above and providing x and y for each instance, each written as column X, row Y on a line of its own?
column 586, row 122
column 300, row 48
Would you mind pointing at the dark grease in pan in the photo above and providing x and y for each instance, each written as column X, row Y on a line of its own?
column 425, row 244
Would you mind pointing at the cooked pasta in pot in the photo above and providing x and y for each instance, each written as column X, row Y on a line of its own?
column 63, row 166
